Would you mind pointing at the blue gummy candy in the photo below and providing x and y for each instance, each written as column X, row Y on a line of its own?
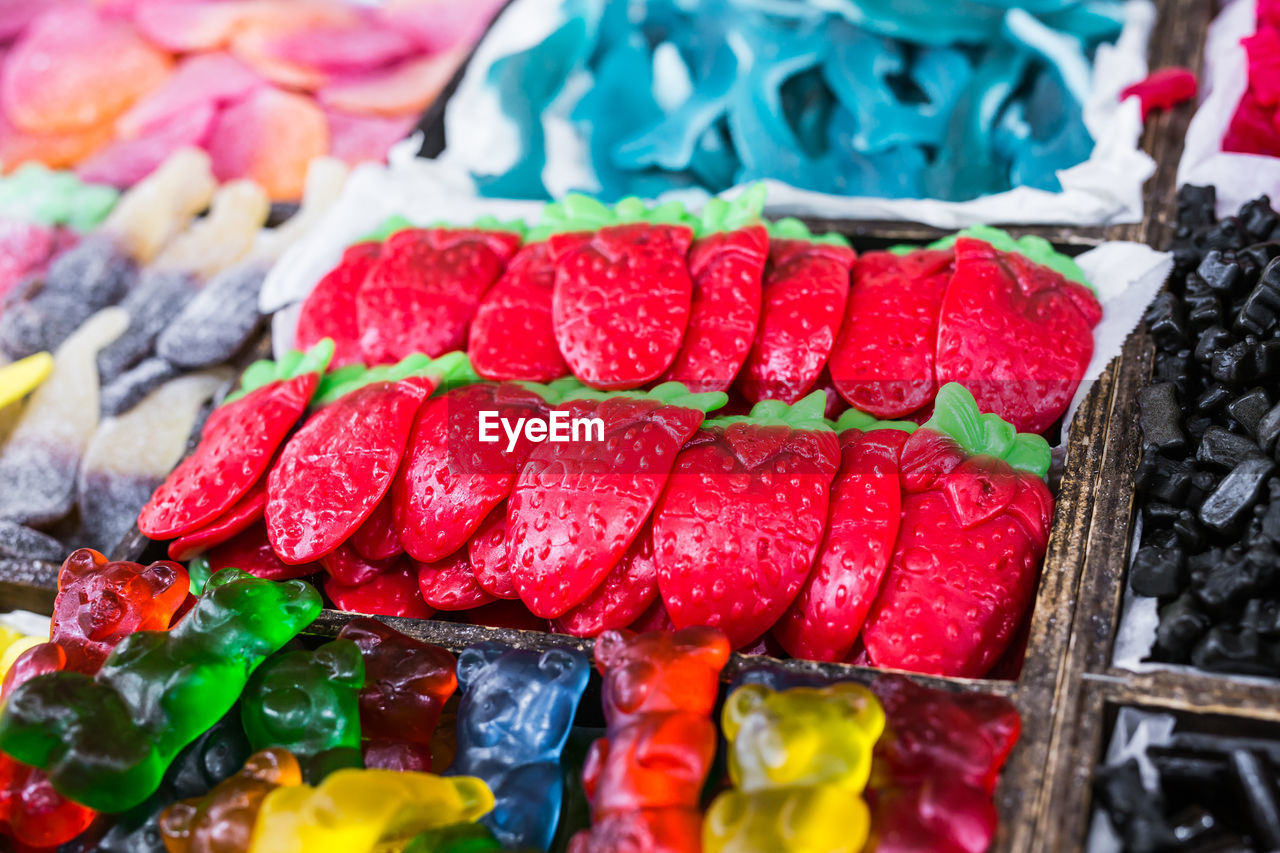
column 515, row 714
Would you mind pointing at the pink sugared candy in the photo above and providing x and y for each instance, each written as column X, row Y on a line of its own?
column 126, row 161
column 207, row 79
column 270, row 136
column 360, row 139
column 75, row 69
column 405, row 89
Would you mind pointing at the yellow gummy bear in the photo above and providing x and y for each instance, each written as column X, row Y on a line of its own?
column 799, row 760
column 360, row 811
column 19, row 379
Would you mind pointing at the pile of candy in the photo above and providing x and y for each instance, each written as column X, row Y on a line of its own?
column 1207, row 490
column 180, row 724
column 138, row 314
column 1253, row 126
column 660, row 518
column 623, row 296
column 860, row 98
column 113, row 88
column 1199, row 791
column 392, row 488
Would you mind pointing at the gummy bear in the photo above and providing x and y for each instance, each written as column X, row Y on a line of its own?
column 407, row 683
column 937, row 766
column 799, row 760
column 306, row 702
column 210, row 759
column 224, row 819
column 100, row 602
column 363, row 811
column 644, row 779
column 515, row 715
column 106, row 741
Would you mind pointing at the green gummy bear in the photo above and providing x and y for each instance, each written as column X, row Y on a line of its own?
column 106, row 741
column 307, row 701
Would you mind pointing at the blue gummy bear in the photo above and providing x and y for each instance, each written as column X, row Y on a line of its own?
column 516, row 711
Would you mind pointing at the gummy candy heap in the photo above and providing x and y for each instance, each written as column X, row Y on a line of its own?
column 773, row 522
column 268, row 742
column 124, row 329
column 114, row 88
column 1209, row 791
column 868, row 99
column 1207, row 485
column 1253, row 127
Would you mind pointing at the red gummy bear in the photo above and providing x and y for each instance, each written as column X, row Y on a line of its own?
column 100, row 602
column 1162, row 89
column 645, row 777
column 407, row 683
column 936, row 767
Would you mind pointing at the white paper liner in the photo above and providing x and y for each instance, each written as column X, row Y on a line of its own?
column 1105, row 189
column 1135, row 731
column 1126, row 275
column 26, row 622
column 1238, row 177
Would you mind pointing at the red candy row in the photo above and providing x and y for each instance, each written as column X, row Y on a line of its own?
column 625, row 297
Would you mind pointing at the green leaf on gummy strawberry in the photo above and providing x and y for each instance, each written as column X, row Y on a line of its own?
column 386, row 229
column 956, row 414
column 582, row 213
column 1036, row 249
column 793, row 229
column 719, row 215
column 293, row 363
column 452, row 368
column 806, row 413
column 855, row 419
column 670, row 393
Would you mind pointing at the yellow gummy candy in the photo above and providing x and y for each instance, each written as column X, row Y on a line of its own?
column 14, row 648
column 360, row 811
column 799, row 760
column 19, row 379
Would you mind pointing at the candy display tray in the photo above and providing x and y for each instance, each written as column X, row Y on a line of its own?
column 1035, row 690
column 1065, row 685
column 1092, row 688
